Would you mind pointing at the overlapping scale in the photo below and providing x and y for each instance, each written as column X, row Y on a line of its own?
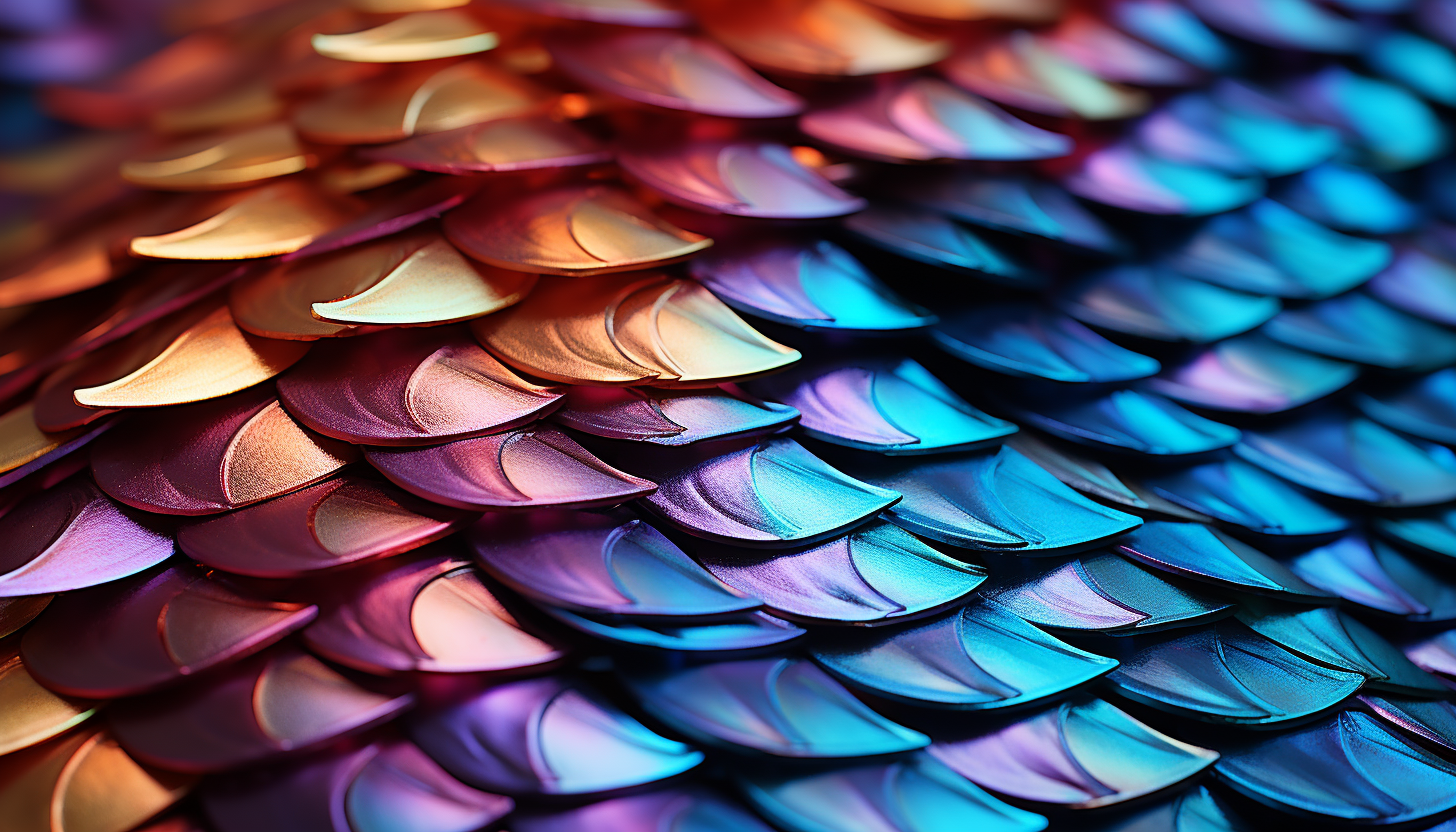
column 217, row 162
column 608, row 564
column 1105, row 592
column 1377, row 576
column 524, row 738
column 149, row 631
column 72, row 536
column 779, row 707
column 279, row 701
column 416, row 100
column 1032, row 342
column 34, row 714
column 1229, row 674
column 1023, row 70
column 1243, row 496
column 924, row 119
column 500, row 146
column 1127, row 421
column 1350, row 199
column 432, row 614
column 1163, row 304
column 1290, row 24
column 672, row 70
column 884, row 405
column 391, row 210
column 873, row 575
column 647, row 13
column 418, row 36
column 410, row 387
column 1202, row 553
column 774, row 494
column 325, row 526
column 1359, row 328
column 1390, row 126
column 741, row 178
column 381, row 786
column 978, row 658
column 1232, row 130
column 213, row 456
column 84, row 780
column 820, row 37
column 1272, row 250
column 929, row 237
column 1425, row 720
column 1431, row 532
column 270, row 220
column 994, row 500
column 571, row 230
column 914, row 794
column 1355, row 459
column 1080, row 755
column 1338, row 640
column 1348, row 767
column 1090, row 477
column 689, row 809
column 1423, row 407
column 671, row 418
column 1127, row 177
column 528, row 467
column 1253, row 374
column 415, row 279
column 719, row 635
column 1014, row 204
column 805, row 283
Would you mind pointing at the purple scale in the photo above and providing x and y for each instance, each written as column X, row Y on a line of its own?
column 527, row 468
column 149, row 631
column 395, row 210
column 672, row 418
column 430, row 615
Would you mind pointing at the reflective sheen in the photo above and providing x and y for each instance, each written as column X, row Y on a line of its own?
column 774, row 494
column 672, row 70
column 810, row 284
column 1377, row 576
column 271, row 220
column 1253, row 374
column 1356, row 327
column 420, row 36
column 71, row 536
column 647, row 13
column 499, row 146
column 571, row 230
column 978, row 658
column 690, row 809
column 607, row 564
column 884, row 405
column 1355, row 459
column 1269, row 249
column 673, row 418
column 1419, row 283
column 277, row 702
column 1333, row 638
column 720, row 635
column 1025, row 70
column 1205, row 554
column 547, row 736
column 1173, row 28
column 1229, row 674
column 1348, row 767
column 1395, row 129
column 430, row 615
column 1287, row 24
column 869, row 576
column 1233, row 130
column 33, row 714
column 923, row 119
column 781, row 707
column 913, row 794
column 820, row 37
column 993, row 500
column 1238, row 493
column 523, row 468
column 742, row 178
column 1431, row 532
column 409, row 387
column 1166, row 305
column 213, row 456
column 427, row 99
column 1078, row 755
column 209, row 359
column 1124, row 176
column 152, row 630
column 1127, row 421
column 1029, row 341
column 332, row 524
column 216, row 162
column 1349, row 199
column 1104, row 592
